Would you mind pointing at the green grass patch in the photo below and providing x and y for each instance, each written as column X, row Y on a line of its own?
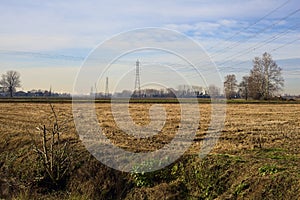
column 269, row 170
column 240, row 188
column 234, row 158
column 275, row 154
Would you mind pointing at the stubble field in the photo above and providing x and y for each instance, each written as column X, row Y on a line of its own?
column 257, row 154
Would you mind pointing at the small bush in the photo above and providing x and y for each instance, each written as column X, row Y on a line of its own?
column 53, row 155
column 149, row 179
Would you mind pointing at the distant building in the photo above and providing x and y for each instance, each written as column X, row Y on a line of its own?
column 2, row 91
column 35, row 93
column 150, row 93
column 20, row 94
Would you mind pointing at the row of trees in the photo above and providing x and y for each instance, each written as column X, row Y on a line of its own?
column 263, row 81
column 10, row 81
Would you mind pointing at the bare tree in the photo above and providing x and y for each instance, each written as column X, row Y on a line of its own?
column 230, row 86
column 10, row 81
column 244, row 87
column 213, row 90
column 265, row 78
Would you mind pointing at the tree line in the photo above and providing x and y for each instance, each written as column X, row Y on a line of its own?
column 263, row 82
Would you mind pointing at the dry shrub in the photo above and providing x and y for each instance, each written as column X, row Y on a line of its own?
column 54, row 156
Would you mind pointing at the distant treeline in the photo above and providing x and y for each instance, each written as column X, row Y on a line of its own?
column 35, row 93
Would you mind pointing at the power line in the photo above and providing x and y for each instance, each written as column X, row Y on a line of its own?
column 268, row 40
column 256, row 22
column 258, row 45
column 238, row 43
column 272, row 25
column 261, row 44
column 228, row 68
column 285, row 44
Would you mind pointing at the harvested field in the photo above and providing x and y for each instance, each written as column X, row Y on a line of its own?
column 275, row 125
column 258, row 147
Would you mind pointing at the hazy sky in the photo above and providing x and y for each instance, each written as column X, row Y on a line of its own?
column 47, row 41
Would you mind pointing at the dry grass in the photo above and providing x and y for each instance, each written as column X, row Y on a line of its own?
column 247, row 126
column 257, row 133
column 272, row 126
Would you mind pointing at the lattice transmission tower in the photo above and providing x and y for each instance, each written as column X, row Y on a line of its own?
column 137, row 85
column 106, row 88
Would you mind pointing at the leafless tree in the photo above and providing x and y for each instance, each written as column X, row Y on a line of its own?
column 213, row 91
column 230, row 86
column 244, row 87
column 265, row 78
column 10, row 81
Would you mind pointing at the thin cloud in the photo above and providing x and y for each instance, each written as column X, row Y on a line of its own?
column 68, row 27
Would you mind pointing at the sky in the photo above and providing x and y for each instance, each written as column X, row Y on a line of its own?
column 50, row 42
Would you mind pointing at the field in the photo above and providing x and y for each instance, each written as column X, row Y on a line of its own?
column 257, row 155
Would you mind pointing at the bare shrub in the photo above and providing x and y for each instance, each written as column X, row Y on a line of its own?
column 54, row 155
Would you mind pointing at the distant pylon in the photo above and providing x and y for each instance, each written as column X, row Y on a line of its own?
column 50, row 91
column 95, row 90
column 106, row 88
column 92, row 91
column 137, row 86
